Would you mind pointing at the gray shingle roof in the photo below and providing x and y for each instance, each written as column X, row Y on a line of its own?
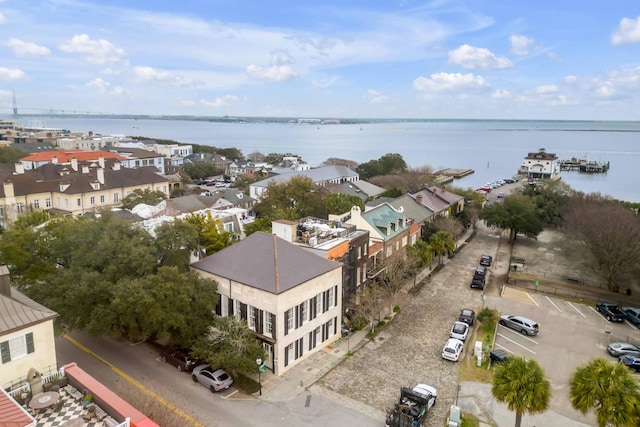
column 18, row 311
column 266, row 262
column 322, row 174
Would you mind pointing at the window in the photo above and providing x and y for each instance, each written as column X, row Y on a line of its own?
column 47, row 202
column 318, row 304
column 17, row 347
column 331, row 297
column 92, row 200
column 1, row 210
column 404, row 241
column 287, row 354
column 102, row 199
column 289, row 317
column 237, row 311
column 20, row 207
column 36, row 204
column 252, row 318
column 116, row 197
column 268, row 325
column 79, row 202
column 389, row 250
column 304, row 311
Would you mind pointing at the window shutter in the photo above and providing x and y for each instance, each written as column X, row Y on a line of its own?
column 325, row 301
column 310, row 340
column 274, row 332
column 286, row 324
column 298, row 320
column 30, row 346
column 259, row 320
column 312, row 308
column 4, row 349
column 335, row 296
column 218, row 309
column 301, row 341
column 243, row 311
column 230, row 307
column 335, row 325
column 286, row 356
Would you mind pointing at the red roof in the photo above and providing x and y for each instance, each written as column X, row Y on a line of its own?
column 12, row 414
column 64, row 156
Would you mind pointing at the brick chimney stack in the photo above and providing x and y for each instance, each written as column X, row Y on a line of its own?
column 100, row 175
column 74, row 164
column 5, row 281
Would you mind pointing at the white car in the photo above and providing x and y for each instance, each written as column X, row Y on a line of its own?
column 459, row 331
column 428, row 391
column 452, row 350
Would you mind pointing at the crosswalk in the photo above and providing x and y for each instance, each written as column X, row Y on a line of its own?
column 517, row 295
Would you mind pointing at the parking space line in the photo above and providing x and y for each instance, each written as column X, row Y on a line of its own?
column 579, row 312
column 631, row 324
column 553, row 304
column 526, row 337
column 518, row 295
column 504, row 348
column 519, row 345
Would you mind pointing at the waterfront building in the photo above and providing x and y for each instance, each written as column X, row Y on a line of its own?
column 540, row 165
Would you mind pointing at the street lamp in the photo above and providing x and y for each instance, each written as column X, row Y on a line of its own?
column 259, row 363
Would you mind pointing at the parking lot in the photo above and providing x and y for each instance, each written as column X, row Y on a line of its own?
column 570, row 334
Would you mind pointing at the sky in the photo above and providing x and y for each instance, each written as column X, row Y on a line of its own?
column 440, row 59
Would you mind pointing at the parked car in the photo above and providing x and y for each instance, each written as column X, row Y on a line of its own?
column 501, row 195
column 611, row 311
column 509, row 180
column 521, row 324
column 632, row 362
column 179, row 357
column 429, row 391
column 499, row 355
column 617, row 349
column 467, row 316
column 477, row 282
column 459, row 331
column 633, row 315
column 213, row 379
column 452, row 349
column 481, row 270
column 486, row 260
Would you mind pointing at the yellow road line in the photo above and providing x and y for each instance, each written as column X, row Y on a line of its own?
column 135, row 383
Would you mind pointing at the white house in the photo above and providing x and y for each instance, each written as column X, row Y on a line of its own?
column 540, row 165
column 290, row 297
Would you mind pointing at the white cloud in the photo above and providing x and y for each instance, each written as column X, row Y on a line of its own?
column 11, row 73
column 521, row 45
column 96, row 51
column 274, row 73
column 475, row 58
column 3, row 20
column 570, row 79
column 448, row 82
column 627, row 32
column 103, row 87
column 323, row 83
column 220, row 101
column 546, row 89
column 24, row 49
column 375, row 97
column 149, row 74
column 501, row 94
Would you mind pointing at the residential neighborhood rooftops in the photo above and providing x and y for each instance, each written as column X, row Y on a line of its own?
column 266, row 262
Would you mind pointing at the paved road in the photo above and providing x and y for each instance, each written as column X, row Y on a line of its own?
column 134, row 368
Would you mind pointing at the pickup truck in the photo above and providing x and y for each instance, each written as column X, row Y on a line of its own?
column 633, row 315
column 412, row 407
column 611, row 311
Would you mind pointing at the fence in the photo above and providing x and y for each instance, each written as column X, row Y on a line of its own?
column 25, row 387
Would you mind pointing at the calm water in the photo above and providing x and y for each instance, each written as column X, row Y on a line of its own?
column 494, row 149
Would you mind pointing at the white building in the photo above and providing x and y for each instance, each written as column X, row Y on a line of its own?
column 540, row 165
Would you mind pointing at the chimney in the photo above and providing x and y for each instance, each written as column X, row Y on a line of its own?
column 5, row 281
column 54, row 160
column 74, row 164
column 85, row 169
column 101, row 161
column 100, row 175
column 116, row 166
column 419, row 199
column 8, row 189
column 19, row 168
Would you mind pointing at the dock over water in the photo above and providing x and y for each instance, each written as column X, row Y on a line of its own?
column 454, row 173
column 583, row 165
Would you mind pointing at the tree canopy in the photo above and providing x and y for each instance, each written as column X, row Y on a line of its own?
column 294, row 199
column 391, row 163
column 441, row 243
column 516, row 213
column 339, row 203
column 200, row 170
column 523, row 386
column 11, row 155
column 607, row 388
column 145, row 196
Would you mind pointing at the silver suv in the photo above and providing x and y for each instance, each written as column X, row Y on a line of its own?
column 521, row 324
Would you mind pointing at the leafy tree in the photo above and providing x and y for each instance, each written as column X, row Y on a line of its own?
column 31, row 220
column 176, row 241
column 517, row 214
column 11, row 155
column 339, row 203
column 259, row 224
column 256, row 156
column 422, row 252
column 607, row 388
column 277, row 158
column 145, row 196
column 230, row 344
column 523, row 386
column 200, row 170
column 391, row 281
column 211, row 232
column 409, row 181
column 452, row 225
column 549, row 200
column 231, row 153
column 391, row 163
column 393, row 192
column 294, row 199
column 610, row 232
column 369, row 303
column 442, row 243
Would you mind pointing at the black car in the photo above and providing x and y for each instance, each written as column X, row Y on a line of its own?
column 467, row 316
column 499, row 355
column 486, row 260
column 509, row 180
column 481, row 270
column 477, row 281
column 179, row 357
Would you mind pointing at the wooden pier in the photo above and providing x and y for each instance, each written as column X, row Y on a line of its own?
column 583, row 165
column 454, row 173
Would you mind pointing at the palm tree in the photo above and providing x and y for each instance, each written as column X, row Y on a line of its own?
column 610, row 389
column 441, row 243
column 523, row 386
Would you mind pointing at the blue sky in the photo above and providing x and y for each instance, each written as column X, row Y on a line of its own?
column 501, row 59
